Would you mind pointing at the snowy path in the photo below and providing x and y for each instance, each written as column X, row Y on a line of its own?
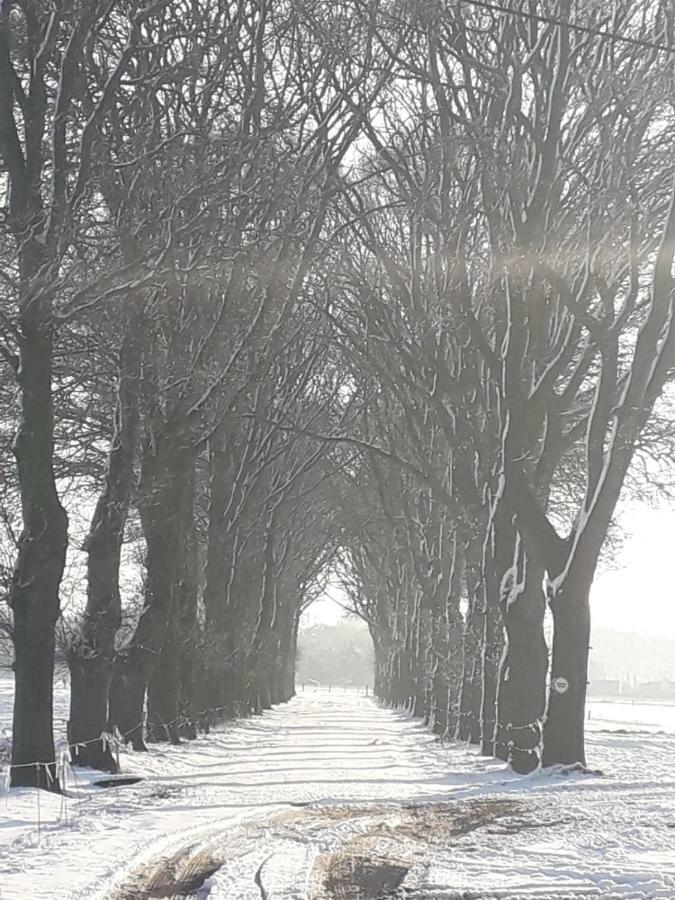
column 330, row 783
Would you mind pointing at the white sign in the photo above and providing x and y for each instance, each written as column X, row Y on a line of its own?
column 560, row 684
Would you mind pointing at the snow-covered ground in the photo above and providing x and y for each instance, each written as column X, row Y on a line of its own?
column 632, row 715
column 329, row 788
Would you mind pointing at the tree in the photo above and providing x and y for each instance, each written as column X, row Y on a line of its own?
column 49, row 121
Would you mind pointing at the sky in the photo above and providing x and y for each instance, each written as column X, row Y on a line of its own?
column 638, row 592
column 633, row 592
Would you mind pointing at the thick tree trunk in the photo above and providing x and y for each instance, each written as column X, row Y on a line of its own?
column 564, row 723
column 453, row 674
column 439, row 702
column 291, row 662
column 452, row 638
column 380, row 686
column 188, row 651
column 285, row 662
column 260, row 666
column 418, row 669
column 498, row 555
column 164, row 689
column 522, row 696
column 169, row 698
column 33, row 751
column 401, row 683
column 91, row 656
column 126, row 699
column 393, row 676
column 468, row 726
column 216, row 588
column 490, row 659
column 261, row 662
column 436, row 680
column 166, row 480
column 34, row 592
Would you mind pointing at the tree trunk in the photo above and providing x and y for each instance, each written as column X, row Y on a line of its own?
column 166, row 692
column 440, row 702
column 564, row 723
column 91, row 656
column 34, row 592
column 453, row 673
column 190, row 646
column 468, row 726
column 490, row 659
column 498, row 556
column 126, row 699
column 292, row 660
column 166, row 479
column 285, row 662
column 218, row 571
column 164, row 689
column 418, row 690
column 522, row 696
column 436, row 680
column 263, row 654
column 380, row 687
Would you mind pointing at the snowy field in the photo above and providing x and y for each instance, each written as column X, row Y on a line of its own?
column 632, row 715
column 330, row 788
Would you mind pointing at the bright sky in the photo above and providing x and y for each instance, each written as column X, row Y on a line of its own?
column 322, row 612
column 637, row 593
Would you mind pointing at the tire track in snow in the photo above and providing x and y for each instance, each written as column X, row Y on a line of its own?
column 223, row 794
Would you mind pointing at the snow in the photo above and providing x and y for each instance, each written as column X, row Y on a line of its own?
column 632, row 714
column 330, row 780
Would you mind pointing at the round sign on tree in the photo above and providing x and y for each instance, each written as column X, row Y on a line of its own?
column 560, row 684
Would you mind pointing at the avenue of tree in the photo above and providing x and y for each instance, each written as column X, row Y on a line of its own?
column 378, row 291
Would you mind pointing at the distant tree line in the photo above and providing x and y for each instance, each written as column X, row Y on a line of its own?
column 339, row 654
column 381, row 288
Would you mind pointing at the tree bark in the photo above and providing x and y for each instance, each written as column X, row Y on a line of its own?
column 285, row 664
column 380, row 685
column 468, row 726
column 165, row 688
column 91, row 656
column 522, row 696
column 490, row 658
column 165, row 480
column 498, row 555
column 292, row 660
column 564, row 724
column 34, row 592
column 219, row 568
column 190, row 639
column 437, row 700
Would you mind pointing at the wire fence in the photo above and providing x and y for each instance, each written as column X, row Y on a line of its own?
column 60, row 769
